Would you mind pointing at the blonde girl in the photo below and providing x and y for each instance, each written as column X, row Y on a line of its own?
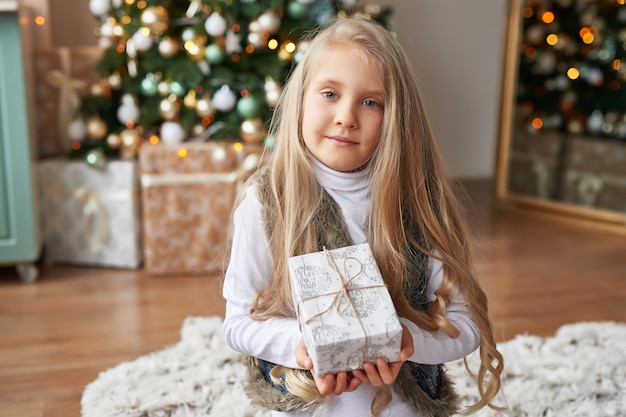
column 356, row 161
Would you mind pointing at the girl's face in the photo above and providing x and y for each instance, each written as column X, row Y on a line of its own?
column 343, row 108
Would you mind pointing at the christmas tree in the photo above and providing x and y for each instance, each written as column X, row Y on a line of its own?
column 176, row 70
column 572, row 69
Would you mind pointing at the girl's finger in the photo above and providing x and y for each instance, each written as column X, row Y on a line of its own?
column 341, row 383
column 372, row 374
column 360, row 375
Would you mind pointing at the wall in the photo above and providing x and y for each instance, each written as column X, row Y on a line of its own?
column 456, row 49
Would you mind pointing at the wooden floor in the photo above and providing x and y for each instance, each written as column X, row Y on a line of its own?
column 57, row 334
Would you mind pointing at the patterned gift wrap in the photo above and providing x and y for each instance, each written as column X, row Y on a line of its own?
column 188, row 192
column 345, row 311
column 62, row 76
column 535, row 164
column 91, row 216
column 595, row 173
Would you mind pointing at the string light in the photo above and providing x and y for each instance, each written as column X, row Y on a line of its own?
column 552, row 39
column 547, row 17
column 527, row 12
column 573, row 73
column 617, row 63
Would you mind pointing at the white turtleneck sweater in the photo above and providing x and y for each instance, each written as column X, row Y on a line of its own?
column 274, row 340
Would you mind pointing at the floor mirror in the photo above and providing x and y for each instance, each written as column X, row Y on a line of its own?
column 562, row 135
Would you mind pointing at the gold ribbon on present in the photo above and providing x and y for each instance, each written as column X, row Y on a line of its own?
column 94, row 213
column 341, row 294
column 238, row 177
column 95, row 216
column 69, row 99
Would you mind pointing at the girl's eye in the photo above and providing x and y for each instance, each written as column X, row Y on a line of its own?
column 370, row 103
column 329, row 94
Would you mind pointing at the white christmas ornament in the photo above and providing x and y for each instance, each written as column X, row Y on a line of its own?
column 215, row 25
column 76, row 130
column 172, row 133
column 143, row 42
column 105, row 43
column 224, row 99
column 106, row 29
column 269, row 22
column 128, row 112
column 233, row 43
column 99, row 7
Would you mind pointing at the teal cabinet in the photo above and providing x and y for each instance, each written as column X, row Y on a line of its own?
column 19, row 219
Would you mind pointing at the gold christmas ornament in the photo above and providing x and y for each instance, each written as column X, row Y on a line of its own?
column 130, row 143
column 197, row 130
column 114, row 140
column 96, row 128
column 190, row 100
column 96, row 89
column 272, row 92
column 115, row 80
column 168, row 109
column 163, row 88
column 156, row 19
column 205, row 107
column 195, row 47
column 168, row 47
column 252, row 130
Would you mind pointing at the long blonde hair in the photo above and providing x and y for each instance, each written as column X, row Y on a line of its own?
column 410, row 186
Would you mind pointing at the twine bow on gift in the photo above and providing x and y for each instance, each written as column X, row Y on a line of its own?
column 69, row 99
column 95, row 217
column 341, row 294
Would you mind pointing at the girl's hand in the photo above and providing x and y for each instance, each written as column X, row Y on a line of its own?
column 329, row 383
column 383, row 373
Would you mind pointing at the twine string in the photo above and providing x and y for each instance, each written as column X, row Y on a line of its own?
column 344, row 292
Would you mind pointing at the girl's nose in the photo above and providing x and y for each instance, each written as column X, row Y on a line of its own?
column 346, row 116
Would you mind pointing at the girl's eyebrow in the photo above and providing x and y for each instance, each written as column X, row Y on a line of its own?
column 333, row 82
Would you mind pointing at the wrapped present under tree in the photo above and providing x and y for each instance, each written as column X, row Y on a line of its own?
column 187, row 194
column 91, row 217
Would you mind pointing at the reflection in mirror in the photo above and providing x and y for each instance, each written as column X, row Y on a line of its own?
column 563, row 133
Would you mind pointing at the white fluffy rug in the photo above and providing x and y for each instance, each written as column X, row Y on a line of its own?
column 581, row 371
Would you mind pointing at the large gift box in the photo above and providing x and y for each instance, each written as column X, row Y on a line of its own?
column 188, row 192
column 535, row 163
column 595, row 173
column 344, row 309
column 62, row 77
column 91, row 216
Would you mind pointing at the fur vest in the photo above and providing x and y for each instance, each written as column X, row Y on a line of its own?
column 425, row 387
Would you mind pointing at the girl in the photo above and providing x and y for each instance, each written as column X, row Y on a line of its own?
column 356, row 161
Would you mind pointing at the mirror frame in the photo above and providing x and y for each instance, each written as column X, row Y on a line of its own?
column 596, row 218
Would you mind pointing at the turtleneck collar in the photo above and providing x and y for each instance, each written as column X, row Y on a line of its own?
column 338, row 180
